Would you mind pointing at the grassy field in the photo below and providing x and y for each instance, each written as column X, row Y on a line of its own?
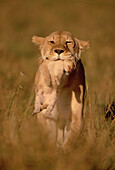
column 22, row 144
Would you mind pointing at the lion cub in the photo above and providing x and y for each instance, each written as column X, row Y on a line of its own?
column 51, row 74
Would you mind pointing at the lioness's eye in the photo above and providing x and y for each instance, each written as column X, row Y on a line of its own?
column 68, row 42
column 52, row 42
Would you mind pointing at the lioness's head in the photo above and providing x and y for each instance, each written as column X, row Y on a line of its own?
column 60, row 45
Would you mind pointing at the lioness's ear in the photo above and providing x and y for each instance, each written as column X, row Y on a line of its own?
column 38, row 40
column 83, row 44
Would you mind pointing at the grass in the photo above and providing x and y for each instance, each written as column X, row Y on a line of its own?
column 23, row 145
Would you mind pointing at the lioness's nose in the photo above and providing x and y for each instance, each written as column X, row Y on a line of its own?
column 58, row 51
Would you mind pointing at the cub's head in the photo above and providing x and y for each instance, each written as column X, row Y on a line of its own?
column 60, row 45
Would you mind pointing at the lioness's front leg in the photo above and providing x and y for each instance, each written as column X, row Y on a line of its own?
column 73, row 127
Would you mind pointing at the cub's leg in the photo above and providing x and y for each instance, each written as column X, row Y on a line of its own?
column 52, row 101
column 39, row 99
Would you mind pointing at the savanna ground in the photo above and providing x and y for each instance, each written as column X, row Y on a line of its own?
column 23, row 145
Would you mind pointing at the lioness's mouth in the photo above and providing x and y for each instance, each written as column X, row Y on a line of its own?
column 70, row 70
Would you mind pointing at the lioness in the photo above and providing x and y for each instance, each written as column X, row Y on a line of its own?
column 68, row 109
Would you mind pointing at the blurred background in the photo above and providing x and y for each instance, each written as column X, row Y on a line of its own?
column 86, row 19
column 19, row 21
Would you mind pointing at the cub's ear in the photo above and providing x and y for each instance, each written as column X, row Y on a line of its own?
column 38, row 40
column 83, row 44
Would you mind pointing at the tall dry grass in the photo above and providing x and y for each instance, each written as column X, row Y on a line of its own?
column 23, row 144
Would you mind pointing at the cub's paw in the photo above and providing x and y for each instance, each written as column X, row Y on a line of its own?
column 35, row 111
